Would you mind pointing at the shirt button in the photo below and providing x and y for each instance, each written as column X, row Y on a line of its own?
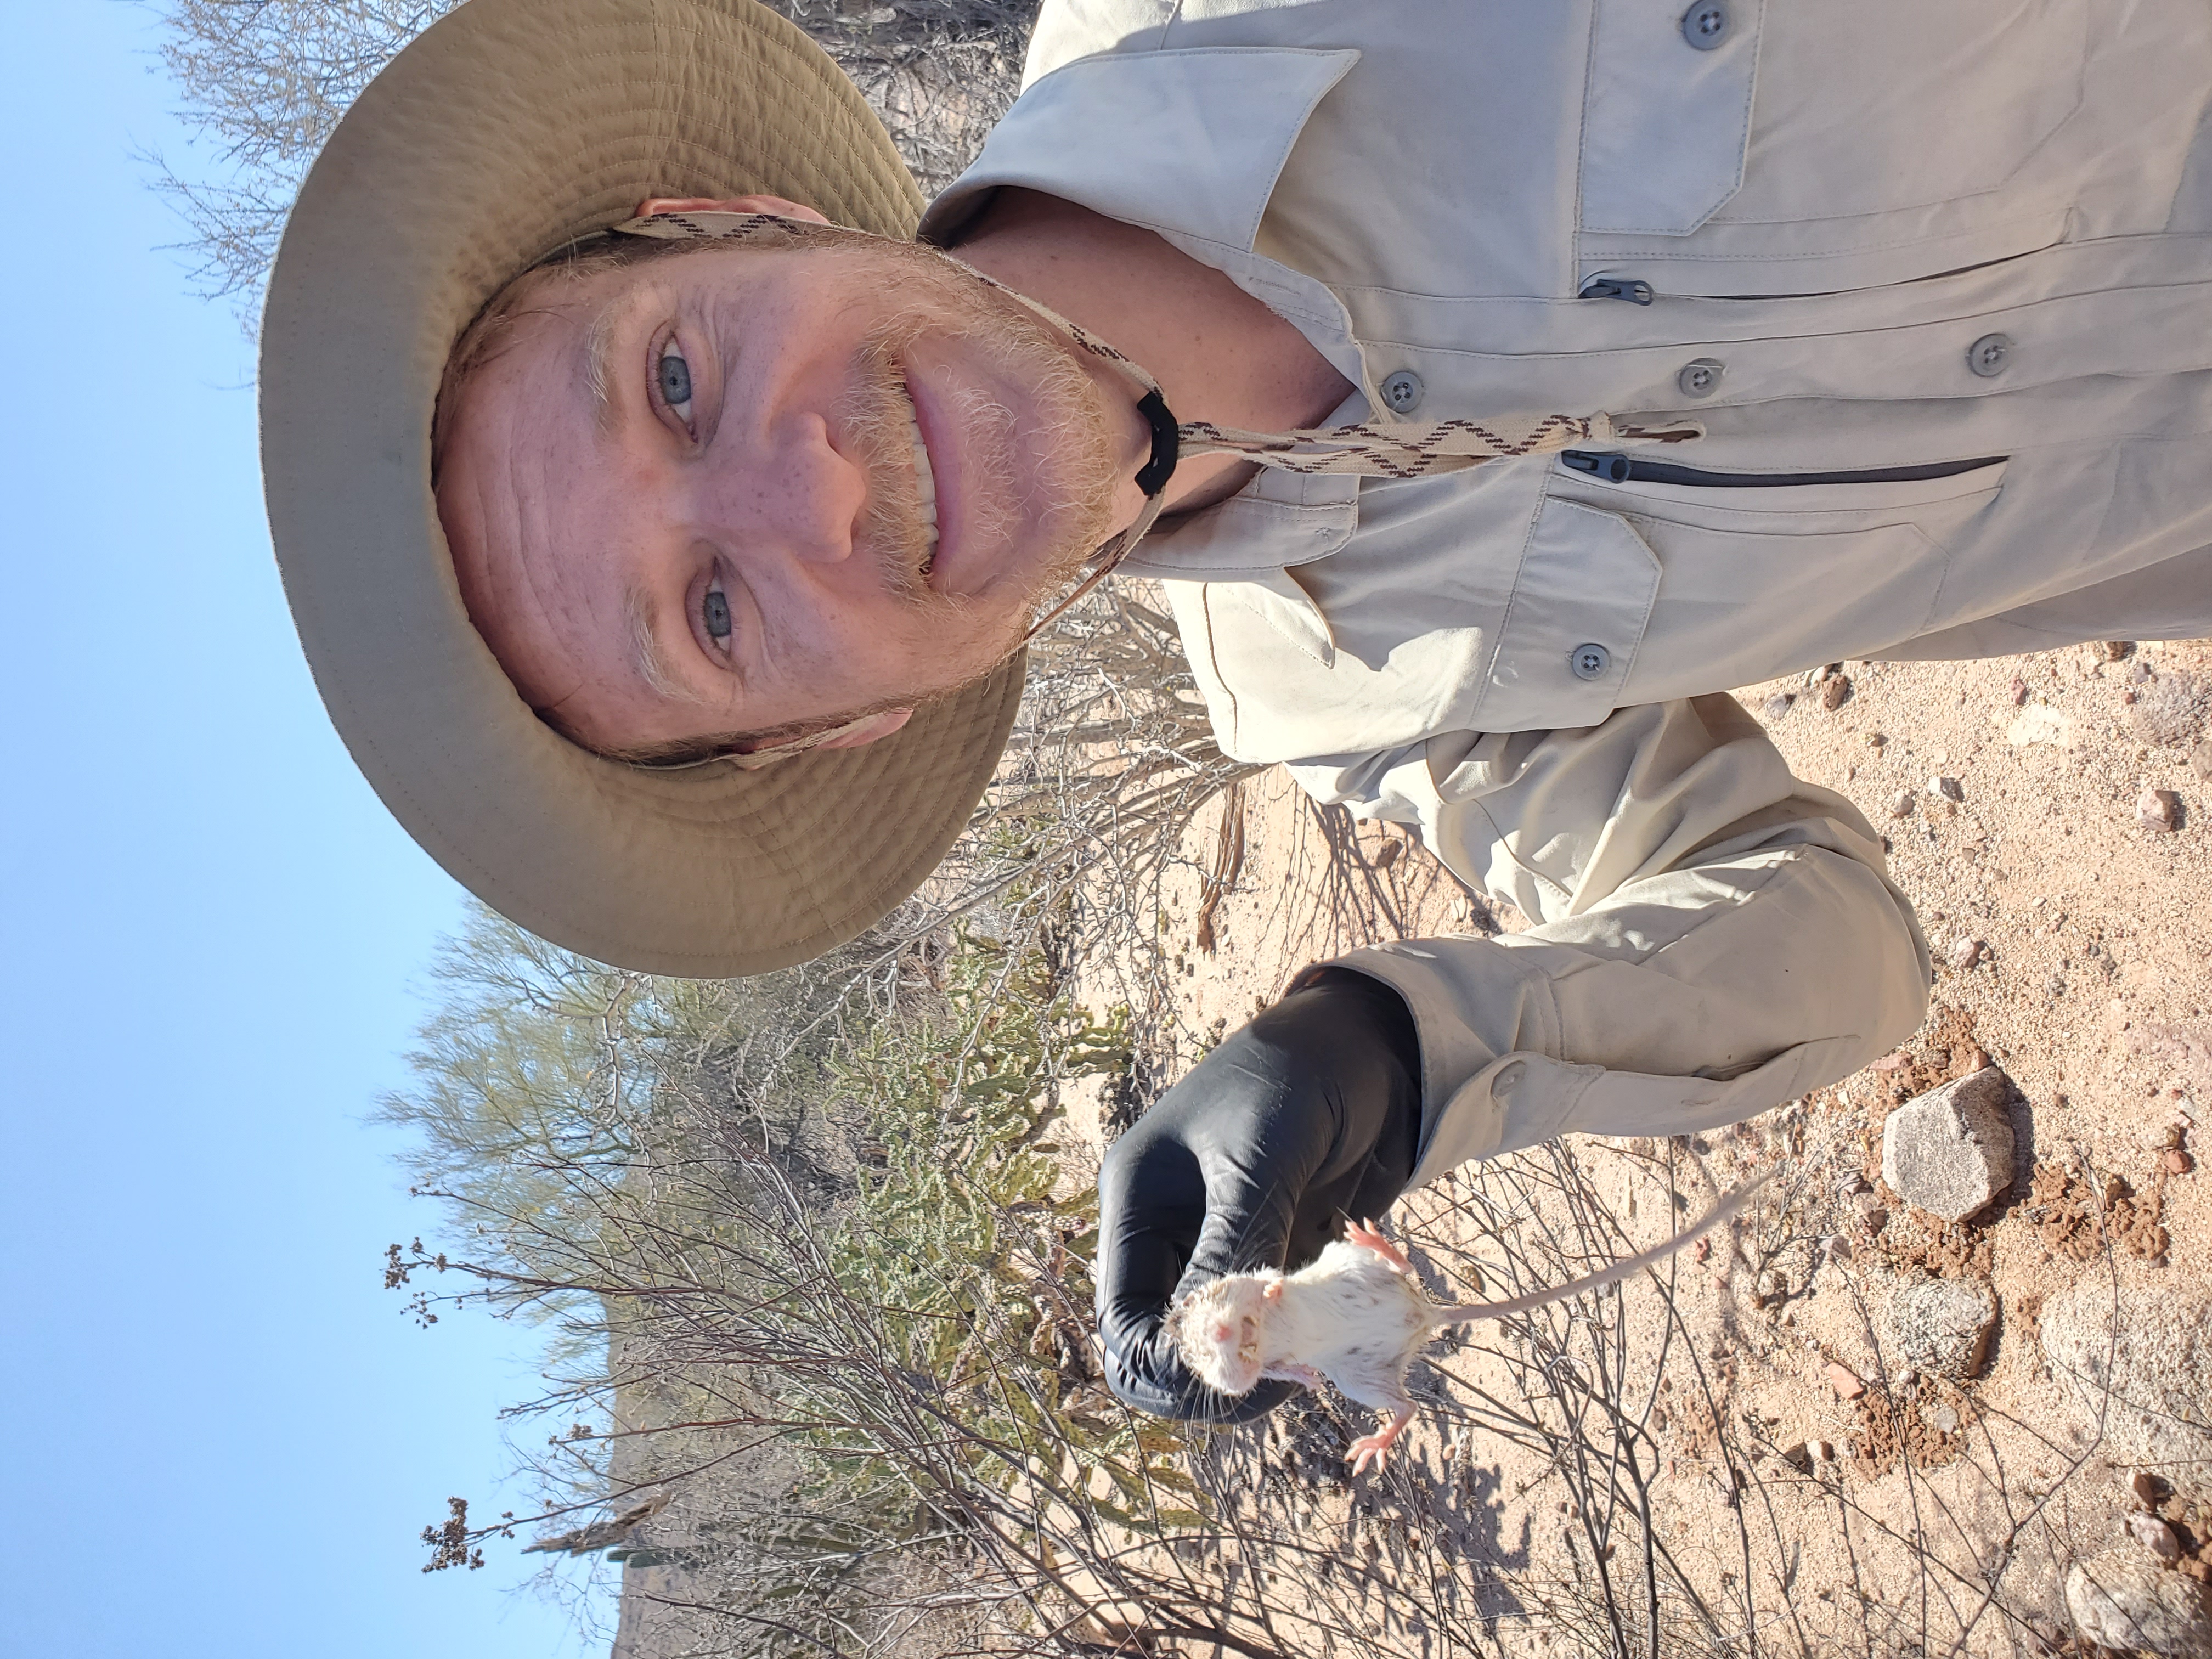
column 1402, row 391
column 1590, row 662
column 1508, row 1078
column 1701, row 377
column 1706, row 25
column 1990, row 356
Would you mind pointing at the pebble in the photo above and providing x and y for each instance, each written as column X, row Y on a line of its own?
column 1834, row 690
column 1949, row 1151
column 1778, row 705
column 2159, row 811
column 1844, row 1382
column 1943, row 1421
column 1822, row 1450
column 1387, row 853
column 1949, row 788
column 1901, row 805
column 2123, row 1600
column 2019, row 690
column 2155, row 1535
column 2164, row 1138
column 2112, row 650
column 1966, row 953
column 2147, row 1488
column 2179, row 1162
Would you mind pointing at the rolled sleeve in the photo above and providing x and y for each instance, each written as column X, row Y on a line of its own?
column 1713, row 936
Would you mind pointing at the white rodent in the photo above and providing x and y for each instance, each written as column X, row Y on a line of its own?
column 1355, row 1317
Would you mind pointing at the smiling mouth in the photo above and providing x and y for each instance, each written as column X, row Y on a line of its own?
column 925, row 478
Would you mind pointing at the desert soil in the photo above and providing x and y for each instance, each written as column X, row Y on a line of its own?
column 2073, row 952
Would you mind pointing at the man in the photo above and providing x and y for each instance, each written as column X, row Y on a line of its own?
column 1498, row 385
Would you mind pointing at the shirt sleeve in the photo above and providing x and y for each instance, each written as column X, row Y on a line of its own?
column 1713, row 936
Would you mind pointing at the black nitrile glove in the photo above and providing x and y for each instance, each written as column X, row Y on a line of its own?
column 1310, row 1115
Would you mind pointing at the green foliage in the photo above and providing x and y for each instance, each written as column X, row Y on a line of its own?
column 973, row 1246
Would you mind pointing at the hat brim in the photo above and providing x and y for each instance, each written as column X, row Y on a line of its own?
column 506, row 128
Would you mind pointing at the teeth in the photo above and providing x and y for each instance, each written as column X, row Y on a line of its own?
column 925, row 486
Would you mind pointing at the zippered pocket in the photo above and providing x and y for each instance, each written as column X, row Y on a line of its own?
column 1616, row 468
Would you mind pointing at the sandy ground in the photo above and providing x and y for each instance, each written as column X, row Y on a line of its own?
column 2074, row 953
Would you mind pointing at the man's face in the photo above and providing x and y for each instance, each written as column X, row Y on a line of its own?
column 742, row 487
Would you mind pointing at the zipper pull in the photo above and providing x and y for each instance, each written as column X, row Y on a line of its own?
column 1615, row 288
column 1614, row 469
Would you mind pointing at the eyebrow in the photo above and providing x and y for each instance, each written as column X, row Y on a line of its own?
column 598, row 357
column 646, row 655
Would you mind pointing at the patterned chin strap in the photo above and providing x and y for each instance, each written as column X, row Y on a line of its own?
column 1394, row 449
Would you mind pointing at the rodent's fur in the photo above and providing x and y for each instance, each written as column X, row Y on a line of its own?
column 1355, row 1317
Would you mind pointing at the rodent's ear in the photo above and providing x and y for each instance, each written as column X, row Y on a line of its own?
column 1273, row 1291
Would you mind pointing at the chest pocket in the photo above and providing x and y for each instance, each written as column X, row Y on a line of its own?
column 1824, row 147
column 1750, row 583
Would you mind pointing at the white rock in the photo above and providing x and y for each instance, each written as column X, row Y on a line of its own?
column 2125, row 1599
column 2155, row 1535
column 1949, row 1151
column 1937, row 1327
column 2040, row 724
column 2141, row 1361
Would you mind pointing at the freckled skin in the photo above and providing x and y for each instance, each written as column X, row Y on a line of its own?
column 1356, row 1318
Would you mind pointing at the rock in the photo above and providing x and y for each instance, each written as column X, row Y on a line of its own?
column 1778, row 705
column 1900, row 805
column 1949, row 1151
column 2112, row 650
column 1965, row 953
column 1941, row 1327
column 1797, row 1455
column 2179, row 1162
column 2123, row 1599
column 1949, row 788
column 2200, row 760
column 2155, row 1535
column 1873, row 1214
column 1942, row 1419
column 2159, row 811
column 2141, row 1360
column 1387, row 853
column 1833, row 690
column 2149, row 1489
column 2168, row 710
column 1844, row 1380
column 2019, row 691
column 2039, row 724
column 1821, row 1450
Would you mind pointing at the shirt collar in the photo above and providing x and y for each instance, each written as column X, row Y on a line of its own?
column 1189, row 144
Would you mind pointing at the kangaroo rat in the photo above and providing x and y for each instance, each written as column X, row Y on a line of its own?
column 1355, row 1317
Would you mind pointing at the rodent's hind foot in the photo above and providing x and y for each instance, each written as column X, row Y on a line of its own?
column 1364, row 1234
column 1377, row 1445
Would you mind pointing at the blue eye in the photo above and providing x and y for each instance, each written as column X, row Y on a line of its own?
column 716, row 609
column 675, row 379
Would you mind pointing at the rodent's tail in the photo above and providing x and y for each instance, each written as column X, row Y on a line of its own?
column 1727, row 1209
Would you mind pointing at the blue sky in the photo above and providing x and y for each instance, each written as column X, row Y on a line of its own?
column 222, row 1434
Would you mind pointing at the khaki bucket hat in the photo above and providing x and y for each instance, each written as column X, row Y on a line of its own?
column 507, row 130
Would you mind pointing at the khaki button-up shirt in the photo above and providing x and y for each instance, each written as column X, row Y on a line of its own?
column 1974, row 239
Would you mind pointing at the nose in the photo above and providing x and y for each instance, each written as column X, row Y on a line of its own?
column 789, row 490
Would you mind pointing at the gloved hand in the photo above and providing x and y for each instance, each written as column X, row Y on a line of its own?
column 1308, row 1114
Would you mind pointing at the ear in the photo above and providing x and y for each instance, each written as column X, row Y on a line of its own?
column 782, row 206
column 881, row 725
column 1274, row 1290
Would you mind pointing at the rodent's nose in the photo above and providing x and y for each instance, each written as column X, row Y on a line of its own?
column 1223, row 1333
